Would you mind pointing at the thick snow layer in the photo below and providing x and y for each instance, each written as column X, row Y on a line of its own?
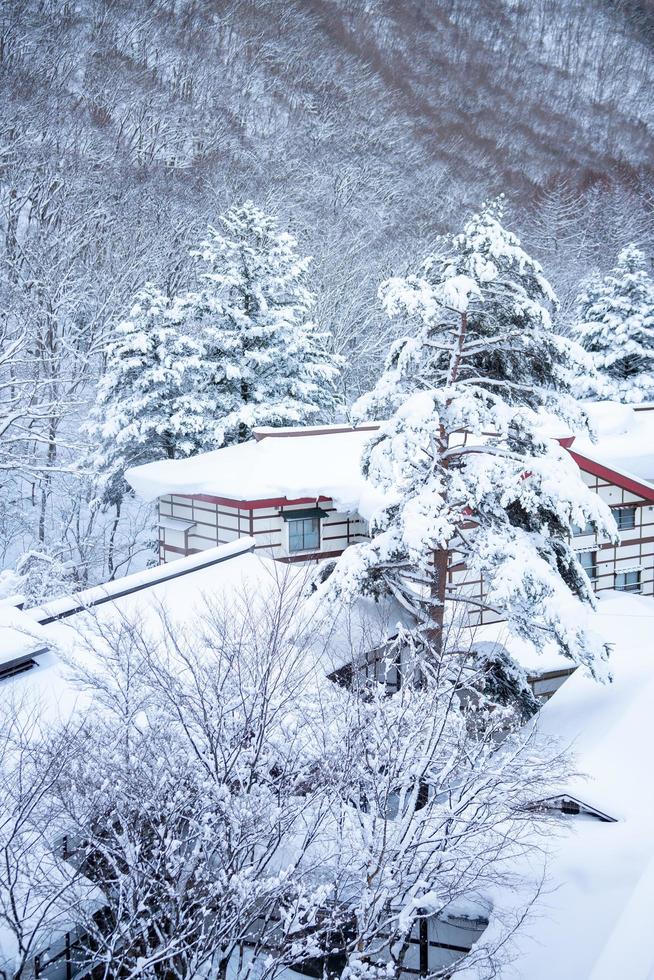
column 19, row 635
column 145, row 579
column 624, row 437
column 589, row 920
column 497, row 637
column 293, row 467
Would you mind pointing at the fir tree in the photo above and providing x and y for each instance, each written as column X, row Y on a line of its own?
column 616, row 325
column 468, row 478
column 265, row 361
column 144, row 400
column 145, row 406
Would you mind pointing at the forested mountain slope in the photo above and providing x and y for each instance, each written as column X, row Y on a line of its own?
column 367, row 126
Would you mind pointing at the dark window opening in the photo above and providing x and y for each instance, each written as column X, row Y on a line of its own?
column 625, row 517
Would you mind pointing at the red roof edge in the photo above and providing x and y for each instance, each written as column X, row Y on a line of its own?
column 251, row 504
column 613, row 476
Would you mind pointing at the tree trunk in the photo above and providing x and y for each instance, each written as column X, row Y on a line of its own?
column 441, row 556
column 112, row 539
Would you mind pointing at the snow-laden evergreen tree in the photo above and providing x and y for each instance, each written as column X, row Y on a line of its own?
column 615, row 316
column 469, row 479
column 145, row 407
column 266, row 363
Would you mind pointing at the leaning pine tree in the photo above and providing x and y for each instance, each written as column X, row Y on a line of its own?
column 468, row 478
column 616, row 326
column 266, row 363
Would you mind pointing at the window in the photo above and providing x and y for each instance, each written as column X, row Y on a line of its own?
column 628, row 581
column 578, row 530
column 588, row 561
column 304, row 535
column 625, row 517
column 304, row 528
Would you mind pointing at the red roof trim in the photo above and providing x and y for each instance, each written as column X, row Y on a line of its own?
column 250, row 504
column 291, row 433
column 613, row 476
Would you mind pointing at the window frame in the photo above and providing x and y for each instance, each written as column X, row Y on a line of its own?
column 303, row 521
column 618, row 513
column 592, row 573
column 581, row 532
column 635, row 586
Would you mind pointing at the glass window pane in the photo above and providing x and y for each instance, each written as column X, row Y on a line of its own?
column 311, row 533
column 295, row 535
column 625, row 518
column 587, row 561
column 628, row 581
column 304, row 535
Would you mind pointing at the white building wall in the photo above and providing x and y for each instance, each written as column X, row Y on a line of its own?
column 213, row 523
column 218, row 523
column 636, row 547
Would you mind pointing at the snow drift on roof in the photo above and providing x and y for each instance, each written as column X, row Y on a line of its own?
column 302, row 466
column 624, row 437
column 20, row 636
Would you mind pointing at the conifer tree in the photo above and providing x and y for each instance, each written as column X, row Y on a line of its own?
column 265, row 361
column 615, row 317
column 468, row 477
column 145, row 407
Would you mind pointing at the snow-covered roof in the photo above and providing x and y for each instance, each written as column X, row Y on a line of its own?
column 19, row 636
column 148, row 578
column 624, row 439
column 298, row 466
column 599, row 877
column 309, row 463
column 231, row 574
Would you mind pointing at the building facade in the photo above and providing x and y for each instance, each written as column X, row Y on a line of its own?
column 310, row 529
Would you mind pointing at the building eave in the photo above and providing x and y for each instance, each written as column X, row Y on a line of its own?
column 623, row 480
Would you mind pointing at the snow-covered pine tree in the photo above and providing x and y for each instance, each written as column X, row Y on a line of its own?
column 470, row 481
column 266, row 363
column 615, row 316
column 145, row 406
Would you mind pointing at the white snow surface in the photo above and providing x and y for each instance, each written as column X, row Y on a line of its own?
column 624, row 437
column 326, row 465
column 244, row 580
column 19, row 635
column 590, row 918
